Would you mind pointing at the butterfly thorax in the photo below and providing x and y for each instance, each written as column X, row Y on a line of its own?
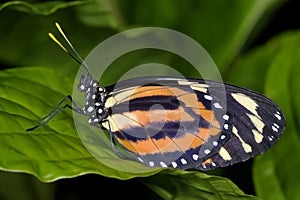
column 94, row 100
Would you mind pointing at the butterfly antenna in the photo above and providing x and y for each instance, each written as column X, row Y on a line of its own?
column 79, row 58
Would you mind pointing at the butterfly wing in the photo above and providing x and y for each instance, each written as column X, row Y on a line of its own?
column 185, row 123
column 256, row 126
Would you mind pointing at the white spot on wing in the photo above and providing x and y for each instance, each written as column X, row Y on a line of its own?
column 174, row 164
column 276, row 125
column 225, row 126
column 206, row 151
column 226, row 117
column 140, row 159
column 195, row 156
column 217, row 105
column 277, row 116
column 162, row 164
column 271, row 138
column 274, row 129
column 207, row 97
column 151, row 163
column 223, row 137
column 183, row 161
column 215, row 143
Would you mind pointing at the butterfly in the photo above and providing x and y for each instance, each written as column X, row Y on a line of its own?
column 177, row 122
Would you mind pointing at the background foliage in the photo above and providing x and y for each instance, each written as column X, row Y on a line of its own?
column 255, row 44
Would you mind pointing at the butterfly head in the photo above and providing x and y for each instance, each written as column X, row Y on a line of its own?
column 86, row 82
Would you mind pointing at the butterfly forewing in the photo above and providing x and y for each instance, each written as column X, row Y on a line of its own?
column 183, row 123
column 257, row 125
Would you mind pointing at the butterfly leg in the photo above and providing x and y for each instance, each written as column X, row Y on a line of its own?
column 113, row 141
column 57, row 110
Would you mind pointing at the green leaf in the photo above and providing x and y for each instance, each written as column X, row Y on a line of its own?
column 34, row 191
column 45, row 8
column 26, row 43
column 188, row 185
column 276, row 170
column 222, row 33
column 254, row 63
column 89, row 11
column 54, row 151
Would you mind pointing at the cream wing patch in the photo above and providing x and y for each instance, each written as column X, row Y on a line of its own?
column 124, row 94
column 224, row 154
column 199, row 87
column 257, row 136
column 110, row 102
column 259, row 125
column 247, row 148
column 194, row 85
column 118, row 121
column 246, row 101
column 256, row 120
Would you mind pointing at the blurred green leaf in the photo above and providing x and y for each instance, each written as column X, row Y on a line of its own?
column 101, row 19
column 28, row 187
column 171, row 184
column 219, row 26
column 254, row 63
column 275, row 170
column 45, row 8
column 97, row 15
column 26, row 43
